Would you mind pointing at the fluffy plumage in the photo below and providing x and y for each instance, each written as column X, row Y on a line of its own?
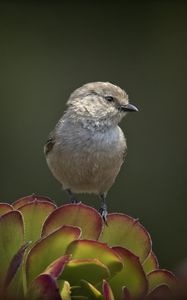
column 85, row 150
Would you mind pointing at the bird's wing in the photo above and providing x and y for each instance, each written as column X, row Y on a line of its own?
column 124, row 153
column 49, row 144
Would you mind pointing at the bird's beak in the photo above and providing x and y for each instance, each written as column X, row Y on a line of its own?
column 128, row 107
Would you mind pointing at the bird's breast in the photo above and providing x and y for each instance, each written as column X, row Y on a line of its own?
column 110, row 141
column 88, row 162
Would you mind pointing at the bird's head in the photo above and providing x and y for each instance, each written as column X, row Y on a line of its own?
column 100, row 102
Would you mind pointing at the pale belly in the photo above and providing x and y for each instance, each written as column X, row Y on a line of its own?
column 89, row 165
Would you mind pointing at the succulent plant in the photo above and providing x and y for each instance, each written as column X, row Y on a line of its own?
column 64, row 253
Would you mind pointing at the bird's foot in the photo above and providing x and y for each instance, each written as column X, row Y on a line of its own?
column 74, row 201
column 103, row 212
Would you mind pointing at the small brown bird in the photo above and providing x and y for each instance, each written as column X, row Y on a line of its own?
column 86, row 149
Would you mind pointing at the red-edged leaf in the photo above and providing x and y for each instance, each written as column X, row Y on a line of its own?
column 15, row 264
column 160, row 277
column 34, row 215
column 126, row 294
column 131, row 276
column 91, row 270
column 151, row 263
column 83, row 249
column 48, row 249
column 11, row 239
column 127, row 232
column 28, row 199
column 57, row 266
column 91, row 291
column 107, row 291
column 161, row 292
column 44, row 287
column 80, row 215
column 4, row 208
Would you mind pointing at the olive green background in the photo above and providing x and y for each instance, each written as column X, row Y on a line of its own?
column 48, row 49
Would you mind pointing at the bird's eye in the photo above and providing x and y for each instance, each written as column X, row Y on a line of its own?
column 109, row 98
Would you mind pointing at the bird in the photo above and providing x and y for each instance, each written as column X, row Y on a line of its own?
column 87, row 148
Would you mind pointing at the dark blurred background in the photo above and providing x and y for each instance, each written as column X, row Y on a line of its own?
column 48, row 49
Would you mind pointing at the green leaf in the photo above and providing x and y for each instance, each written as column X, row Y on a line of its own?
column 54, row 270
column 14, row 265
column 88, row 269
column 65, row 289
column 162, row 292
column 80, row 298
column 44, row 287
column 48, row 249
column 57, row 266
column 126, row 294
column 80, row 215
column 11, row 239
column 28, row 199
column 34, row 215
column 161, row 277
column 84, row 249
column 4, row 208
column 14, row 281
column 127, row 232
column 131, row 276
column 151, row 263
column 91, row 291
column 107, row 291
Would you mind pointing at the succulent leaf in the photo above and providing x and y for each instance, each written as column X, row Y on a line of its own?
column 92, row 292
column 57, row 266
column 126, row 294
column 47, row 283
column 4, row 208
column 48, row 249
column 28, row 199
column 161, row 277
column 83, row 249
column 88, row 269
column 65, row 289
column 162, row 292
column 11, row 239
column 34, row 214
column 73, row 257
column 127, row 232
column 44, row 287
column 107, row 291
column 80, row 215
column 151, row 263
column 131, row 276
column 14, row 265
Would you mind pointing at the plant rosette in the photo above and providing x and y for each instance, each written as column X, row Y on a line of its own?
column 66, row 252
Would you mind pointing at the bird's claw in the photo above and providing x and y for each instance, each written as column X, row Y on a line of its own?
column 75, row 201
column 104, row 213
